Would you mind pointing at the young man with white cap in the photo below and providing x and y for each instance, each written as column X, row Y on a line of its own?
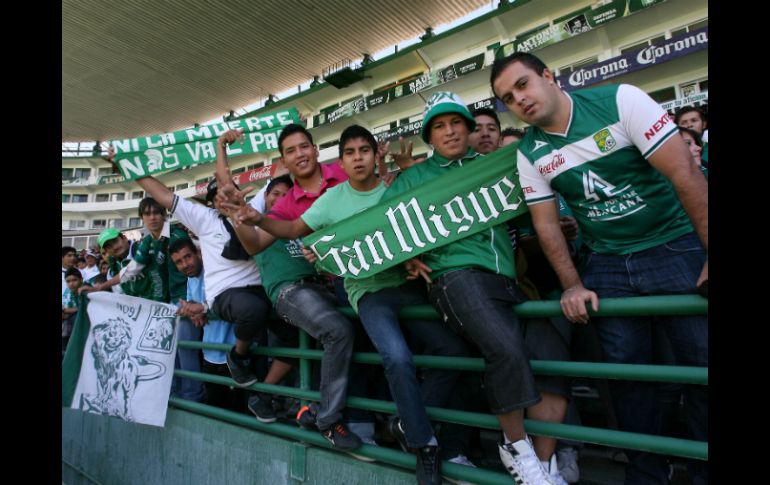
column 91, row 269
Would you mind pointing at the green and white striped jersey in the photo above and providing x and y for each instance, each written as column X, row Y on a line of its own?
column 621, row 202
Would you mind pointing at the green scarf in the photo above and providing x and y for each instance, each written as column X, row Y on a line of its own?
column 150, row 155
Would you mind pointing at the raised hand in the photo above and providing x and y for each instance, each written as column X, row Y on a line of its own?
column 231, row 136
column 382, row 167
column 404, row 158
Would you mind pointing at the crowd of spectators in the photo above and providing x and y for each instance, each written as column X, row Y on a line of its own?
column 244, row 259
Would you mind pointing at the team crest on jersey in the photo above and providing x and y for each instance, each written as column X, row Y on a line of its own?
column 604, row 140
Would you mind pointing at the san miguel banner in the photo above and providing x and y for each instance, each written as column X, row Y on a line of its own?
column 140, row 157
column 661, row 51
column 120, row 358
column 466, row 200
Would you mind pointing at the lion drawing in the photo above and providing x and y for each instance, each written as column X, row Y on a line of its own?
column 118, row 372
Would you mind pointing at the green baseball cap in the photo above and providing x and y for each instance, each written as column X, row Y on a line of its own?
column 107, row 235
column 440, row 103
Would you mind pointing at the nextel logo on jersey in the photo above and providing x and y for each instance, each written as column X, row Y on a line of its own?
column 553, row 165
column 657, row 126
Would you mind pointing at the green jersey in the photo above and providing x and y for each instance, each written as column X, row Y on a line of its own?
column 489, row 250
column 166, row 282
column 622, row 204
column 281, row 264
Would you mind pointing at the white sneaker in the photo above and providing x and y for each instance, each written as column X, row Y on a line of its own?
column 523, row 464
column 568, row 464
column 460, row 460
column 553, row 471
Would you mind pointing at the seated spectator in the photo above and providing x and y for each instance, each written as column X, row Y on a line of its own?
column 187, row 259
column 474, row 289
column 378, row 300
column 544, row 338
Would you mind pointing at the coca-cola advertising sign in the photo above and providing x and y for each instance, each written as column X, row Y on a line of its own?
column 242, row 178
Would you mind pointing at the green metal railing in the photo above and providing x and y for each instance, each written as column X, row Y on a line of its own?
column 638, row 306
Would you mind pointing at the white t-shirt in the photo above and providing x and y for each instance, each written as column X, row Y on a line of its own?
column 89, row 273
column 221, row 273
column 258, row 201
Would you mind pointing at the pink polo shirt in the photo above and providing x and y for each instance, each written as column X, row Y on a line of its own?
column 297, row 201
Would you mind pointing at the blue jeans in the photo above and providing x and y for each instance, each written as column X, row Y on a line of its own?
column 187, row 359
column 379, row 316
column 478, row 306
column 311, row 307
column 668, row 269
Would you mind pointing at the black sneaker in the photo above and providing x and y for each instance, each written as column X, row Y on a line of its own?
column 428, row 466
column 341, row 437
column 395, row 429
column 306, row 417
column 240, row 370
column 262, row 408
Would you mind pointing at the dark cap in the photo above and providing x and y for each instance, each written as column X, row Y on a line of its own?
column 211, row 191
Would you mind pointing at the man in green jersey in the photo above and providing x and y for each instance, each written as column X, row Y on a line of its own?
column 474, row 290
column 614, row 155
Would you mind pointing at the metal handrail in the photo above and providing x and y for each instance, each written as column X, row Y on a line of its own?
column 637, row 306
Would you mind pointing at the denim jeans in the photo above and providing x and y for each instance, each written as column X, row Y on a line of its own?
column 379, row 316
column 311, row 307
column 478, row 305
column 668, row 269
column 188, row 359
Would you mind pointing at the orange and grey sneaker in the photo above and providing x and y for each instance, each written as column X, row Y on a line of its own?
column 341, row 437
column 307, row 415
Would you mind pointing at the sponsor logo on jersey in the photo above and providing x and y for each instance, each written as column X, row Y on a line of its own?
column 539, row 144
column 294, row 248
column 657, row 126
column 593, row 182
column 553, row 165
column 604, row 140
column 528, row 189
column 616, row 203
